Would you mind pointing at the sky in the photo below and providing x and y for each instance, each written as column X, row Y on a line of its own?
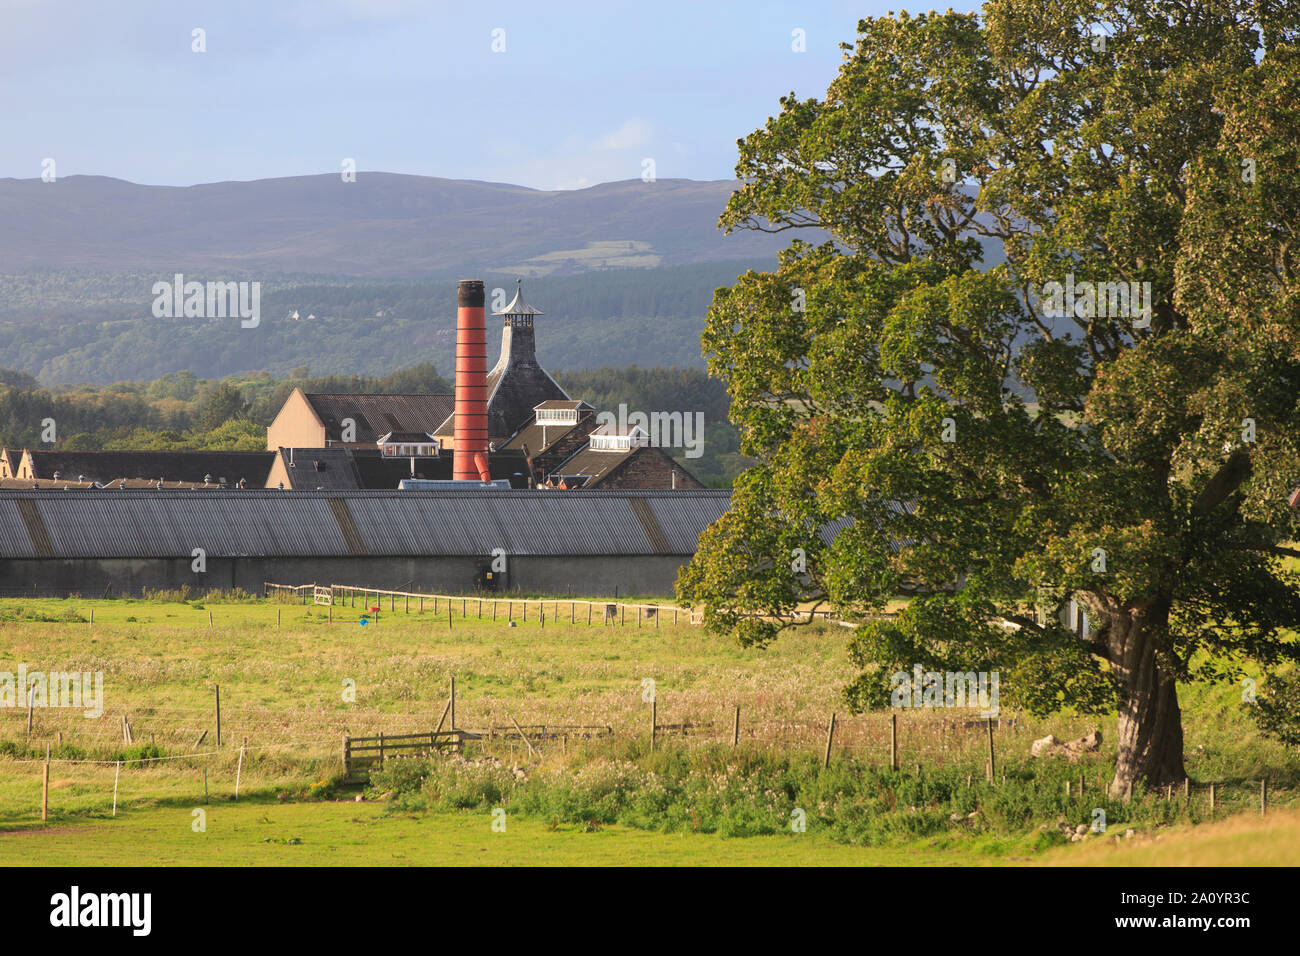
column 574, row 94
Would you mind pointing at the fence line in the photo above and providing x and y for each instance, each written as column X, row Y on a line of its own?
column 611, row 610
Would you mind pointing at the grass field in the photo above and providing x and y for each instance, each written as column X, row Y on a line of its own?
column 253, row 833
column 285, row 692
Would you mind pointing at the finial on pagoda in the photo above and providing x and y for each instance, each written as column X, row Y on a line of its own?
column 519, row 313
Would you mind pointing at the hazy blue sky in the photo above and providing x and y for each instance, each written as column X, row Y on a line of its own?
column 582, row 94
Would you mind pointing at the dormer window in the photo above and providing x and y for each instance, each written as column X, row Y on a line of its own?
column 561, row 412
column 635, row 438
column 557, row 416
column 408, row 445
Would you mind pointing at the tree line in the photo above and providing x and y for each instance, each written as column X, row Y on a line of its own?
column 180, row 411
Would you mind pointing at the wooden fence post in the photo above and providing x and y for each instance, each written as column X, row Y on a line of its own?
column 735, row 729
column 1211, row 797
column 523, row 737
column 453, row 702
column 989, row 723
column 118, row 772
column 239, row 770
column 441, row 720
column 830, row 736
column 654, row 722
column 45, row 787
column 893, row 741
column 218, row 715
column 1263, row 797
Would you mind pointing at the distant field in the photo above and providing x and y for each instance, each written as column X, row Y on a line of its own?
column 283, row 693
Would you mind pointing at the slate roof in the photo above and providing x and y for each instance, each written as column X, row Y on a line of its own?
column 377, row 415
column 532, row 437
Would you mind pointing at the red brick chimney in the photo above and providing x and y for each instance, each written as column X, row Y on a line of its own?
column 471, row 435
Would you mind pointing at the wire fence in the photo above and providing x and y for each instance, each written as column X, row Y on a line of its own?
column 291, row 746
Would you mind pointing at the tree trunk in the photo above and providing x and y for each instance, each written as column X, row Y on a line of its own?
column 1150, row 731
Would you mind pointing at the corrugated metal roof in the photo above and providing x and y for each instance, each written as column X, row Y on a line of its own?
column 145, row 524
column 680, row 519
column 185, row 466
column 15, row 542
column 126, row 523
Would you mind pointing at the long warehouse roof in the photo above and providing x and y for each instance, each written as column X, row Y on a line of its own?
column 125, row 523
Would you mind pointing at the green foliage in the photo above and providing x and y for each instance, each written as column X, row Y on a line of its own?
column 1277, row 711
column 715, row 789
column 138, row 755
column 997, row 460
column 222, row 406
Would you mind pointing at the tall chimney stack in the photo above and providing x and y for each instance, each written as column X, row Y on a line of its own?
column 470, row 435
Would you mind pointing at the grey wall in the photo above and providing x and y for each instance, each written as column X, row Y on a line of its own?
column 91, row 577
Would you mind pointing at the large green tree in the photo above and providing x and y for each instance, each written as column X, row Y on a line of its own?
column 979, row 442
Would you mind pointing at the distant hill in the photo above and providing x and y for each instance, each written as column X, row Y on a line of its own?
column 383, row 225
column 71, row 326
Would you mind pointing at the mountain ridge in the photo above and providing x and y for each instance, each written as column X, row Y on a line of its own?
column 383, row 225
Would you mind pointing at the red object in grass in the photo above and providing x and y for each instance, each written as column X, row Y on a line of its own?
column 375, row 608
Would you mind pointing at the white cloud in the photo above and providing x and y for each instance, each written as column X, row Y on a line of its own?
column 633, row 133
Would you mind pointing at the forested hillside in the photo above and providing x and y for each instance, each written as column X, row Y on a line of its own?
column 73, row 327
